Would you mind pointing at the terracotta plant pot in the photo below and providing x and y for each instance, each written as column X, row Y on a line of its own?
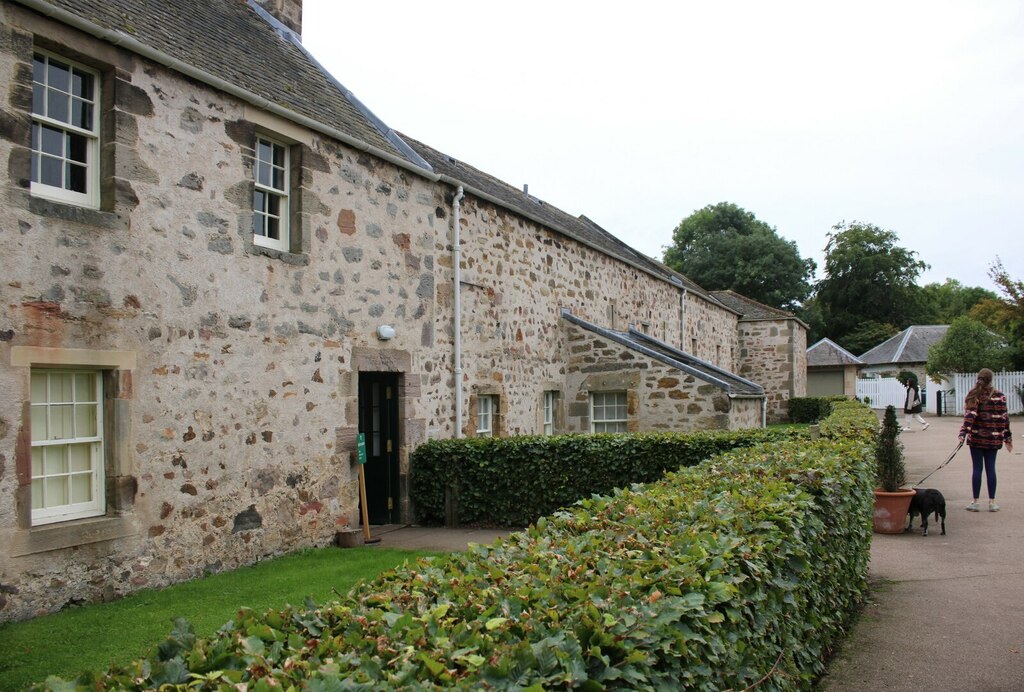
column 891, row 510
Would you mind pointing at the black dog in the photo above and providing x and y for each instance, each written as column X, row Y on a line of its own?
column 927, row 501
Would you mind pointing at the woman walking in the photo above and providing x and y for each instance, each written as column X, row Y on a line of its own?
column 986, row 427
column 912, row 406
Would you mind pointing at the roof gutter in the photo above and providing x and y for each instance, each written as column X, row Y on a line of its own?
column 134, row 45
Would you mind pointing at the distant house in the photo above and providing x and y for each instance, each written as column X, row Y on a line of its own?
column 908, row 350
column 831, row 370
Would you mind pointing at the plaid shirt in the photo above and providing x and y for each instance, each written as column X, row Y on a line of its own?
column 987, row 426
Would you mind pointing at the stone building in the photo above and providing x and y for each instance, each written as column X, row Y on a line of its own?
column 220, row 268
column 831, row 370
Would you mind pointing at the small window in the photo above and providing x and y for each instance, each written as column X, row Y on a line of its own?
column 270, row 195
column 485, row 405
column 608, row 412
column 550, row 406
column 67, row 445
column 65, row 131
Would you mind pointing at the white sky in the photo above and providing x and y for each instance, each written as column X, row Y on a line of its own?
column 907, row 115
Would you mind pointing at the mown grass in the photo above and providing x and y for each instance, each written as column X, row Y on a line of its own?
column 95, row 636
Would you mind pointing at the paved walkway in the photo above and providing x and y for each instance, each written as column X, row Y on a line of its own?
column 945, row 612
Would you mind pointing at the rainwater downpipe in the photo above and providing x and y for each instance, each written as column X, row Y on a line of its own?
column 682, row 321
column 457, row 263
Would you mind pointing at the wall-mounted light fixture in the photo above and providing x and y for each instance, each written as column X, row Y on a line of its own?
column 385, row 332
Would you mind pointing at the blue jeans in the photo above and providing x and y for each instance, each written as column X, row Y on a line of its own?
column 986, row 457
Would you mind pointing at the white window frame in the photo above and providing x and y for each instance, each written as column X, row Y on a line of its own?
column 45, row 442
column 608, row 412
column 550, row 403
column 266, row 191
column 485, row 405
column 42, row 92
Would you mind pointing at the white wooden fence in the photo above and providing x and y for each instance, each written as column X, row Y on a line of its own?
column 886, row 391
column 1005, row 382
column 882, row 391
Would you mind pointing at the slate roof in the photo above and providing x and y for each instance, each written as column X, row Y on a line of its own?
column 579, row 228
column 636, row 340
column 827, row 353
column 751, row 309
column 909, row 346
column 240, row 43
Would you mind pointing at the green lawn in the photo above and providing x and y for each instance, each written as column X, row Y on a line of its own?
column 93, row 637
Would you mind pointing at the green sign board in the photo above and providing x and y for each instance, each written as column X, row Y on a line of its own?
column 361, row 448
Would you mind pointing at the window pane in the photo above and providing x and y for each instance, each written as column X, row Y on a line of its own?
column 55, row 460
column 258, row 222
column 50, row 171
column 80, row 458
column 278, row 157
column 263, row 174
column 58, row 75
column 62, row 387
column 37, row 494
column 37, row 461
column 81, row 488
column 81, row 114
column 264, row 151
column 38, row 68
column 58, row 106
column 38, row 99
column 259, row 200
column 39, row 424
column 78, row 146
column 76, row 178
column 273, row 228
column 274, row 205
column 85, row 387
column 61, row 422
column 85, row 420
column 82, row 85
column 55, row 491
column 52, row 141
column 278, row 179
column 39, row 388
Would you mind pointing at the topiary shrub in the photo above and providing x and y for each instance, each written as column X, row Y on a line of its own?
column 811, row 409
column 889, row 467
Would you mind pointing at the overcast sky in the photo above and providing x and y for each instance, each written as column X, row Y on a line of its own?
column 906, row 115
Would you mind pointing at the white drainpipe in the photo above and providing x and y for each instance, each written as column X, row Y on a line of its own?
column 457, row 260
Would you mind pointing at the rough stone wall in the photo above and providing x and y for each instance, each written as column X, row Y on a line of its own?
column 234, row 426
column 659, row 397
column 711, row 333
column 516, row 277
column 773, row 353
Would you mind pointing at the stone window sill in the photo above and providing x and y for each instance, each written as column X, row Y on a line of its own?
column 69, row 534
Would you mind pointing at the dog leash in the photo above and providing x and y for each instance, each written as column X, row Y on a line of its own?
column 941, row 465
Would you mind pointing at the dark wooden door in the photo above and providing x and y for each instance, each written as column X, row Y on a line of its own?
column 378, row 421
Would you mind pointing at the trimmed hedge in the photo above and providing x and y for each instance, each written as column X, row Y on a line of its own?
column 741, row 571
column 811, row 409
column 515, row 480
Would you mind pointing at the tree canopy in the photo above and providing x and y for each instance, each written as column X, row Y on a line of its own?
column 868, row 279
column 724, row 247
column 968, row 346
column 944, row 302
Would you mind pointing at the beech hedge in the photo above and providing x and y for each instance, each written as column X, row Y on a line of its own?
column 741, row 571
column 515, row 480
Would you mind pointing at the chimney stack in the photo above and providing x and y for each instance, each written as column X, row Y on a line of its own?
column 288, row 12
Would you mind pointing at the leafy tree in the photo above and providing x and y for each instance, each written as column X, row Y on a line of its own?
column 968, row 346
column 946, row 301
column 724, row 247
column 868, row 278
